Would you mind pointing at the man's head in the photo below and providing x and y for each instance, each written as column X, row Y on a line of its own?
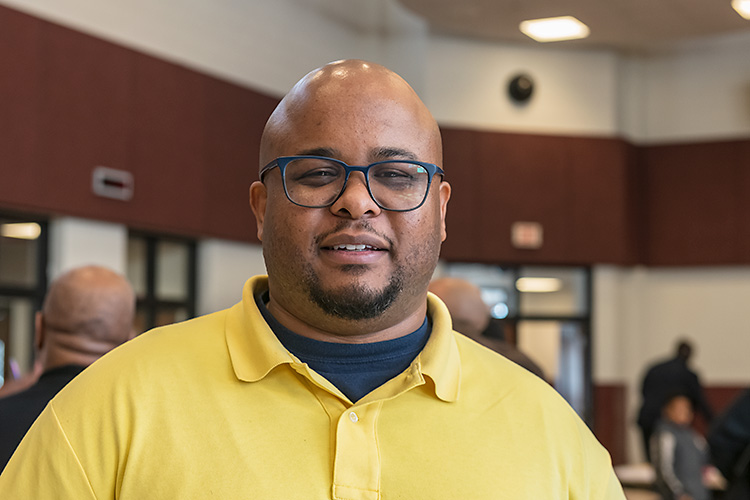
column 351, row 268
column 87, row 311
column 471, row 316
column 469, row 312
column 684, row 350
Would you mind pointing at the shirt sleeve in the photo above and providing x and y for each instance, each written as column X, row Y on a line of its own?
column 44, row 466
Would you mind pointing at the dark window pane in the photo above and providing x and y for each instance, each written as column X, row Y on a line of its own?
column 19, row 253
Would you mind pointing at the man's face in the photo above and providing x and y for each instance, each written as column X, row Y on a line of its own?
column 352, row 261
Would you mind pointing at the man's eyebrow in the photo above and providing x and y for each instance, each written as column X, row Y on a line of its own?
column 327, row 152
column 400, row 153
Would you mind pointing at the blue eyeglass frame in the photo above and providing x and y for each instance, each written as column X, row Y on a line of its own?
column 283, row 161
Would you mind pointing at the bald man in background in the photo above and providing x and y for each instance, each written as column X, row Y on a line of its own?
column 87, row 312
column 471, row 316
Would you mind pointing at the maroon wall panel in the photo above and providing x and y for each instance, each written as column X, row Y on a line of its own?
column 71, row 102
column 524, row 178
column 464, row 208
column 83, row 114
column 166, row 152
column 603, row 226
column 694, row 200
column 579, row 189
column 610, row 420
column 743, row 162
column 20, row 39
column 234, row 122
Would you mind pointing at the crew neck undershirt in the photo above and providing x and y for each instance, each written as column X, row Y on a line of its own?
column 355, row 369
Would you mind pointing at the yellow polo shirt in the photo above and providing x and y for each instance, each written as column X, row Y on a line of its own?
column 216, row 408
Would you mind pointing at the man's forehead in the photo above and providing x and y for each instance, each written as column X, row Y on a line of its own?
column 376, row 153
column 352, row 102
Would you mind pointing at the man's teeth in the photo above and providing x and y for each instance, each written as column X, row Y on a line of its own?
column 354, row 248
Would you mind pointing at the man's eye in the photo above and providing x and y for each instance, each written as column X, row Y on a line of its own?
column 393, row 173
column 319, row 172
column 316, row 176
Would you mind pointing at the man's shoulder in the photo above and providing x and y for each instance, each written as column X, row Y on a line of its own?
column 474, row 353
column 181, row 349
column 488, row 371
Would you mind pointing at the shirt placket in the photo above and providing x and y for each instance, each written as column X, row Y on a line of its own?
column 356, row 474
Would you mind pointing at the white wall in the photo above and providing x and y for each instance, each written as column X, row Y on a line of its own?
column 77, row 242
column 575, row 92
column 223, row 268
column 697, row 91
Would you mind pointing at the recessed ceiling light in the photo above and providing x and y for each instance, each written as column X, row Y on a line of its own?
column 554, row 29
column 21, row 230
column 538, row 285
column 742, row 7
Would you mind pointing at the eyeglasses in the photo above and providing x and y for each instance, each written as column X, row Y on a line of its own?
column 317, row 181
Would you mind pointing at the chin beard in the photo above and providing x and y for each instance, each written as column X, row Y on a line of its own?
column 354, row 301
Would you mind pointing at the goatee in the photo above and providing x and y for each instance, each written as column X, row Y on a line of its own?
column 354, row 301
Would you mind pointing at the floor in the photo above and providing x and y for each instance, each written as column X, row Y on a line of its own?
column 639, row 494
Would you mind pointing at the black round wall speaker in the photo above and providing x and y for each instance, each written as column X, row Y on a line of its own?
column 520, row 88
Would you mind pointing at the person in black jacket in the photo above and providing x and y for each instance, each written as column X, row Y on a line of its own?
column 729, row 442
column 664, row 379
column 87, row 312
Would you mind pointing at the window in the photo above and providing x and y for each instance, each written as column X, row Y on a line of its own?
column 546, row 313
column 23, row 281
column 162, row 270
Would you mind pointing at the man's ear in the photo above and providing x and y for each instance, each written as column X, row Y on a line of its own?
column 39, row 331
column 258, row 198
column 445, row 195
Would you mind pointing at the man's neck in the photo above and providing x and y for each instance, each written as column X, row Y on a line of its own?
column 358, row 331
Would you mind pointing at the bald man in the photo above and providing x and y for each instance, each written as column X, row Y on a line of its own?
column 336, row 376
column 87, row 312
column 471, row 316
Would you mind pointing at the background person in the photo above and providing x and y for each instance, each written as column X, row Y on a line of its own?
column 22, row 382
column 679, row 454
column 337, row 376
column 471, row 316
column 87, row 312
column 663, row 379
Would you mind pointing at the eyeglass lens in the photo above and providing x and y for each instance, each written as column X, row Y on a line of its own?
column 396, row 185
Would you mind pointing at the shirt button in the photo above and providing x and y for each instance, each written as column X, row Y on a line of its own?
column 353, row 417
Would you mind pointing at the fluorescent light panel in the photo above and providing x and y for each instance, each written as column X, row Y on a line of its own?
column 538, row 285
column 742, row 7
column 554, row 29
column 21, row 230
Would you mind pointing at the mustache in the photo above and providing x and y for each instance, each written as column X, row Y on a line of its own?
column 362, row 226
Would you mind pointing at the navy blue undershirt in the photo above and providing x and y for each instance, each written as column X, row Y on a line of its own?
column 355, row 369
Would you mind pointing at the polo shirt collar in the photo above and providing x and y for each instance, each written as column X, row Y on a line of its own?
column 255, row 351
column 253, row 347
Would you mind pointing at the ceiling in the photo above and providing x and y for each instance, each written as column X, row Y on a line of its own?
column 627, row 25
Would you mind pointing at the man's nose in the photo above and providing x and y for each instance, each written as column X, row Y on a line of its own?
column 355, row 202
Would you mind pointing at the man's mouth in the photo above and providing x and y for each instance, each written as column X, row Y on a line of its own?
column 356, row 248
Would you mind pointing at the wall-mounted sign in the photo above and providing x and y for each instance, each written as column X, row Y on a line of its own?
column 526, row 235
column 112, row 183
